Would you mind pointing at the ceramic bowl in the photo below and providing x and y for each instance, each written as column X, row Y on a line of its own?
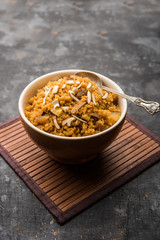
column 70, row 150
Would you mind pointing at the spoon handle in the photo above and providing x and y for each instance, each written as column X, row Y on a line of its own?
column 150, row 106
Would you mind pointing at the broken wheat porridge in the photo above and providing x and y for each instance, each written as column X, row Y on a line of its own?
column 73, row 107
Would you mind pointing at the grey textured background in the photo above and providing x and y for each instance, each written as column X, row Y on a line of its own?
column 120, row 39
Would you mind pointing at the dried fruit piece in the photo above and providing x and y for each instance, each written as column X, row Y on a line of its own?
column 42, row 119
column 57, row 111
column 86, row 117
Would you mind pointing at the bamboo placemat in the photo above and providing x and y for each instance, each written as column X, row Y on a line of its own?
column 67, row 190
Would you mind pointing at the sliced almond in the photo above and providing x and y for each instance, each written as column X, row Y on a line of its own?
column 89, row 86
column 56, row 123
column 105, row 95
column 63, row 86
column 77, row 106
column 70, row 82
column 93, row 99
column 79, row 119
column 47, row 90
column 88, row 97
column 75, row 90
column 55, row 89
column 100, row 91
column 65, row 108
column 82, row 93
column 95, row 115
column 55, row 103
column 68, row 121
column 79, row 85
column 72, row 95
column 78, row 82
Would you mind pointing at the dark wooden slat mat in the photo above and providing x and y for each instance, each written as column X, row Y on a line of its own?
column 67, row 190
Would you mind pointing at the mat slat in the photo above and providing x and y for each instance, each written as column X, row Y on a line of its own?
column 109, row 166
column 85, row 189
column 115, row 167
column 88, row 191
column 10, row 132
column 68, row 186
column 29, row 155
column 18, row 142
column 13, row 138
column 11, row 126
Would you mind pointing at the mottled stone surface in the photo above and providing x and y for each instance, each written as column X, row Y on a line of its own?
column 120, row 39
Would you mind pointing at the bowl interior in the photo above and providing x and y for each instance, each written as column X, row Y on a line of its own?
column 40, row 82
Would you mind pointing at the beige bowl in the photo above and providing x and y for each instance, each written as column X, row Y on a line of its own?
column 69, row 150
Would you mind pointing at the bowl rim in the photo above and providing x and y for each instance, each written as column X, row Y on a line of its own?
column 22, row 115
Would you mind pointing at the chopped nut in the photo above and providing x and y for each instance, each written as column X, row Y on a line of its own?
column 77, row 106
column 55, row 89
column 68, row 121
column 55, row 103
column 105, row 95
column 42, row 119
column 88, row 97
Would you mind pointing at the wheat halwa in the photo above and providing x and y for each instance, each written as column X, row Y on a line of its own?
column 73, row 107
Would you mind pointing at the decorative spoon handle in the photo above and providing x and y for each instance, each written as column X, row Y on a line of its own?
column 150, row 106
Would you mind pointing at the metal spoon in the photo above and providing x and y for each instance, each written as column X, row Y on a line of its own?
column 150, row 106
